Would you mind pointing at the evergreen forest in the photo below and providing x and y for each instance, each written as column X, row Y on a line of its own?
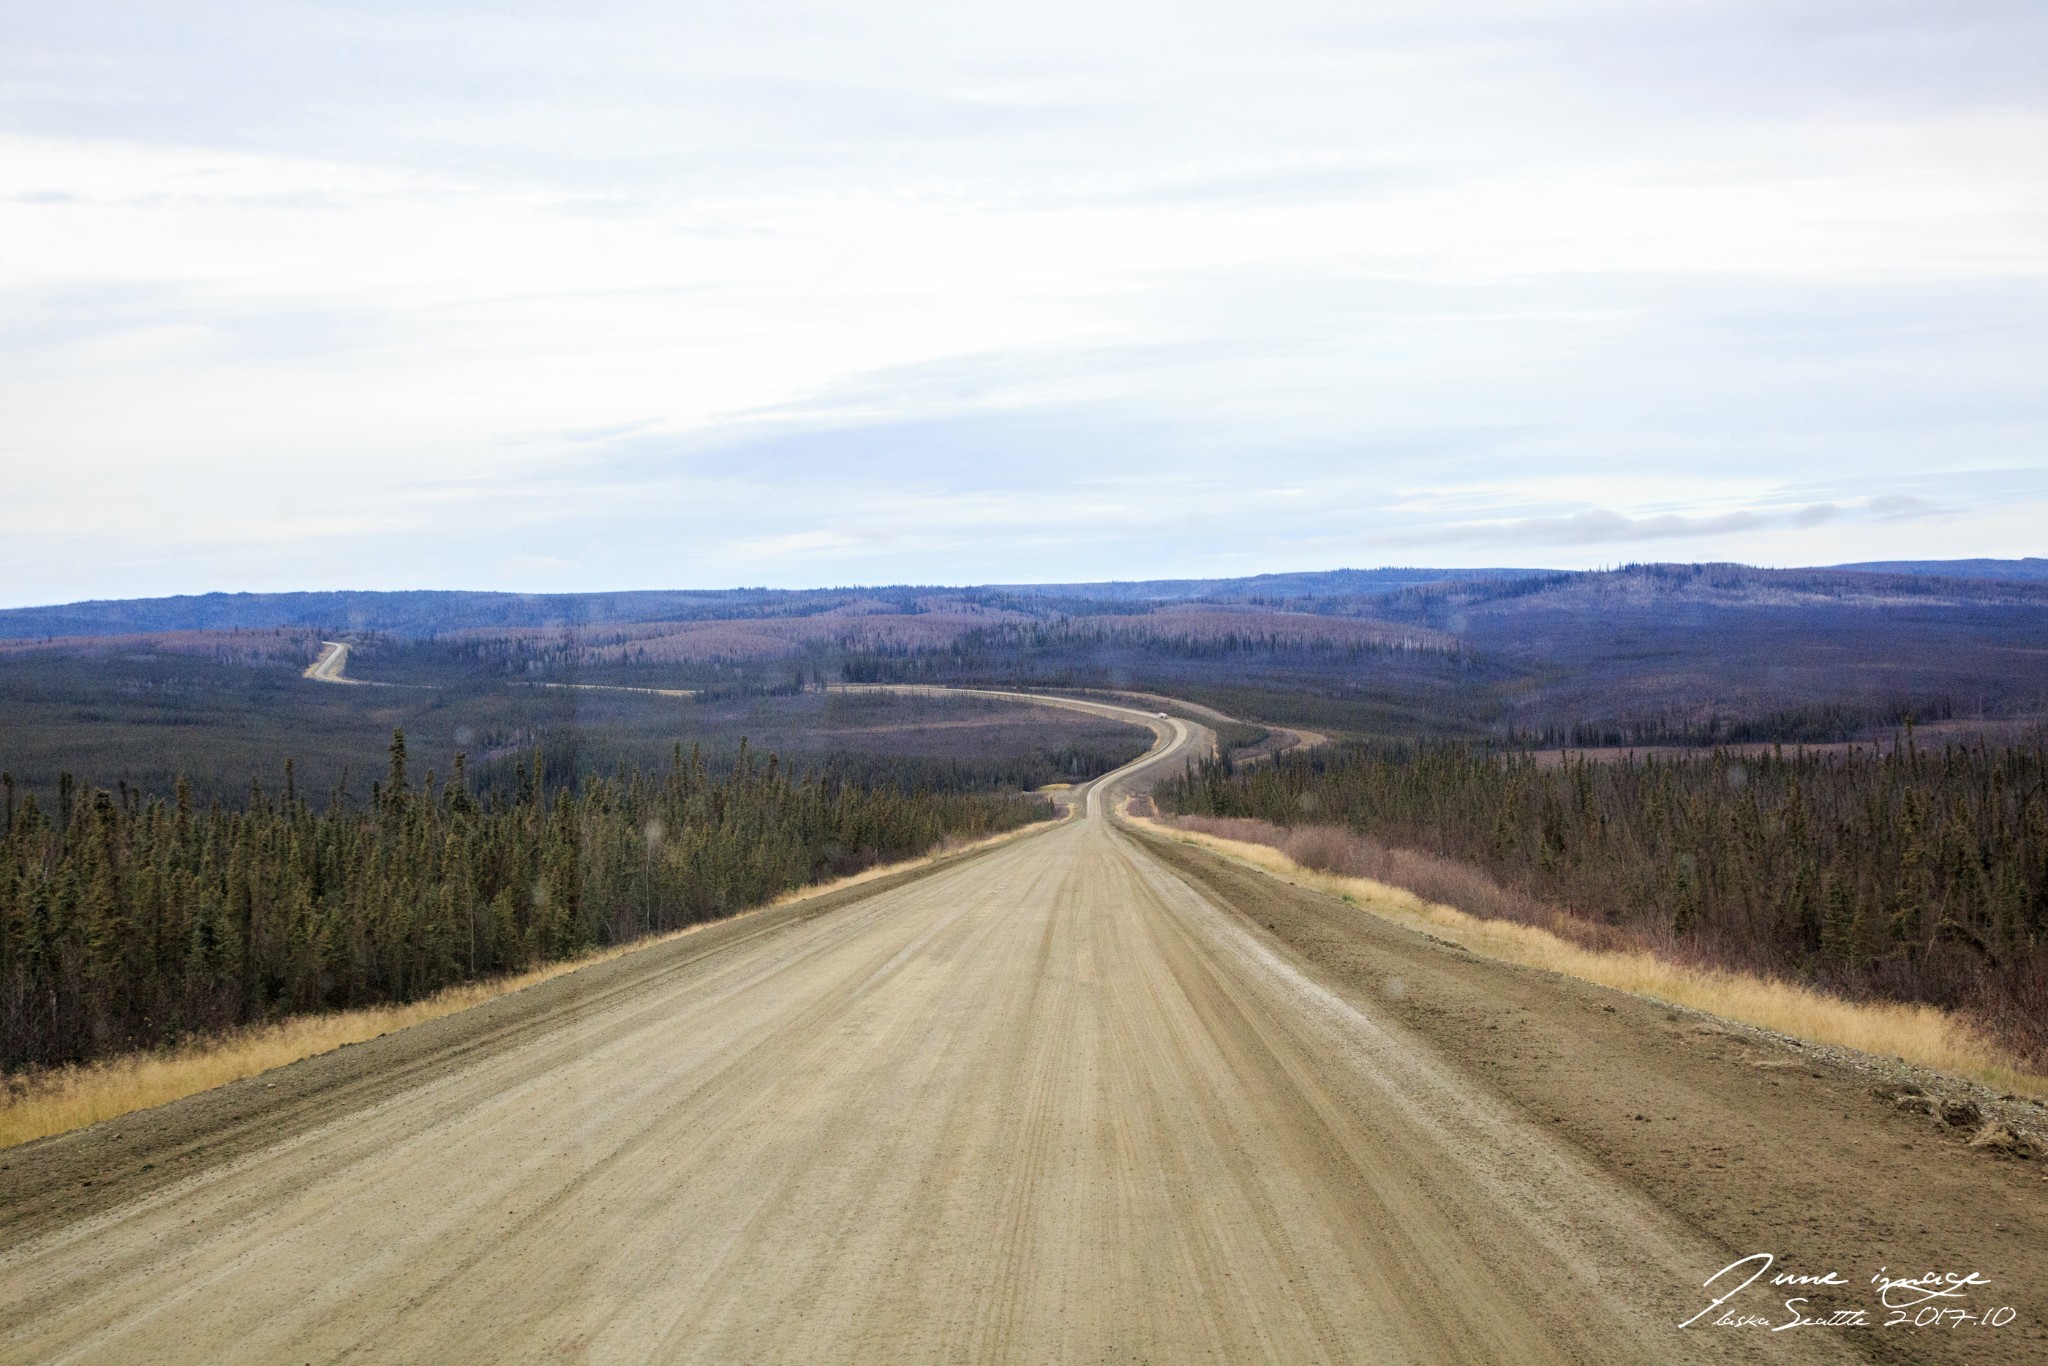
column 130, row 922
column 1901, row 873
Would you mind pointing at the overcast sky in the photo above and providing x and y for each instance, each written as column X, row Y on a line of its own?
column 554, row 296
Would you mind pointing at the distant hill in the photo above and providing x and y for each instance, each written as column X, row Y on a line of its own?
column 1647, row 654
column 411, row 614
column 1414, row 594
column 1328, row 583
column 1660, row 589
column 2030, row 568
column 422, row 614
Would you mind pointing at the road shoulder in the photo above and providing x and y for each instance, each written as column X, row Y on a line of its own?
column 1760, row 1147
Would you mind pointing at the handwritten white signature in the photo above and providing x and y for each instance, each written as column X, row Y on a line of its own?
column 1927, row 1299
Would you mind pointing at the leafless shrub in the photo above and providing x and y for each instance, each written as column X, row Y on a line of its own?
column 1447, row 882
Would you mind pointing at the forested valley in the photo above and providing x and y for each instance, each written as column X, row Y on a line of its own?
column 166, row 898
column 129, row 921
column 1901, row 873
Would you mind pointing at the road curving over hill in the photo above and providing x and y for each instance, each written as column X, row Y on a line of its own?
column 332, row 667
column 328, row 667
column 1063, row 1100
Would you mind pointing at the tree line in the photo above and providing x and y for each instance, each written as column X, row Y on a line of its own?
column 1900, row 873
column 129, row 922
column 1814, row 723
column 1078, row 642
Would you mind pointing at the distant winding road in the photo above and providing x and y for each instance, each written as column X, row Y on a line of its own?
column 328, row 667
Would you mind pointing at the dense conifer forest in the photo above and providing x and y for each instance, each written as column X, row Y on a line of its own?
column 129, row 922
column 1904, row 873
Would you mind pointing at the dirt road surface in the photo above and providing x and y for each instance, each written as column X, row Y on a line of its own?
column 1070, row 1099
column 330, row 666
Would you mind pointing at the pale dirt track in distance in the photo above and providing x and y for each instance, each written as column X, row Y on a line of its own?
column 332, row 667
column 328, row 667
column 1051, row 1103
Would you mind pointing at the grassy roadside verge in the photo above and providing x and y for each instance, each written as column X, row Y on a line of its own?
column 1920, row 1035
column 68, row 1098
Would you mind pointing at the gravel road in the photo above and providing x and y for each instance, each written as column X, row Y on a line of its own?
column 1062, row 1100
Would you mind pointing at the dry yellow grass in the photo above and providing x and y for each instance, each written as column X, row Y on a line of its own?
column 67, row 1098
column 1918, row 1034
column 72, row 1097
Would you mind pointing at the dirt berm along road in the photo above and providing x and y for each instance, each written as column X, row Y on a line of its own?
column 1083, row 1096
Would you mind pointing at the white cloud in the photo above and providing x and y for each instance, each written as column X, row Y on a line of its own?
column 318, row 294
